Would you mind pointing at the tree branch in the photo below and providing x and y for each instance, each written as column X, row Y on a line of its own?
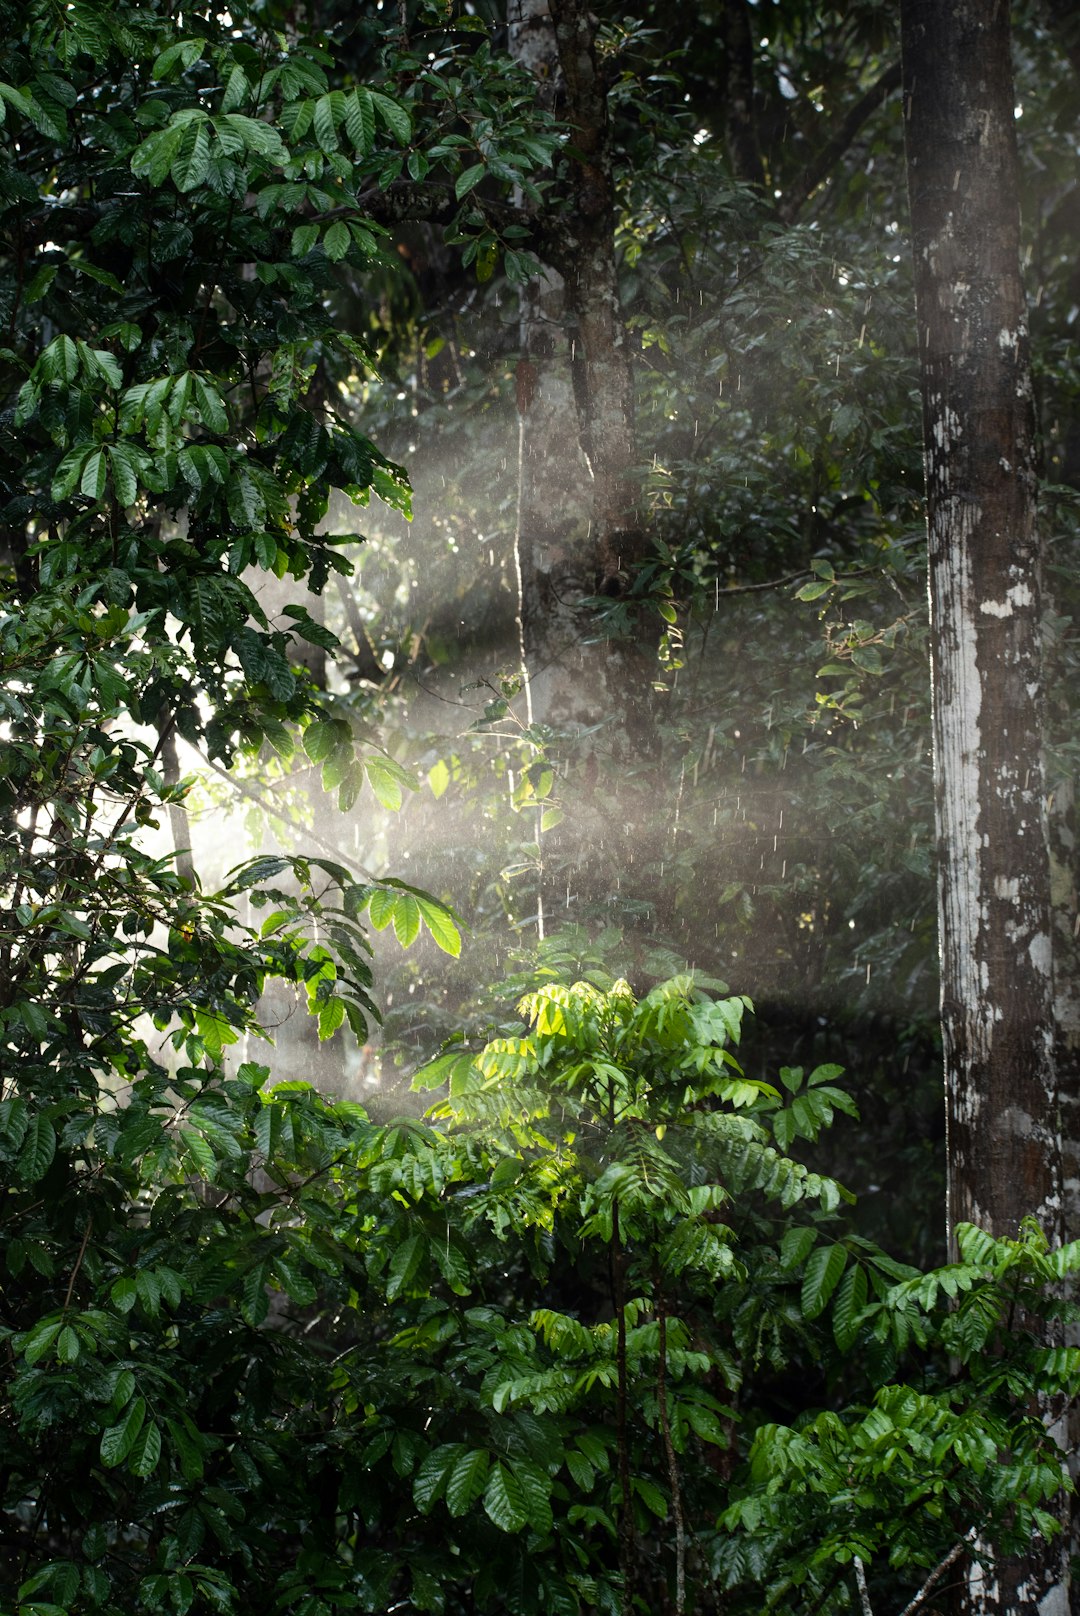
column 939, row 1571
column 840, row 137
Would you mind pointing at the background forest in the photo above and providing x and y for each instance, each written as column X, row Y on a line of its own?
column 470, row 1082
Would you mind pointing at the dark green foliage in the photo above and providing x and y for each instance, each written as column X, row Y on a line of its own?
column 592, row 1326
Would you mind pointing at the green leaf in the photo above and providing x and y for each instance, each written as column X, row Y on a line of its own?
column 153, row 159
column 211, row 406
column 67, row 1345
column 438, row 778
column 441, row 926
column 360, row 120
column 848, row 1306
column 405, row 1264
column 504, row 1500
column 331, row 1016
column 823, row 1270
column 40, row 1339
column 430, row 1481
column 118, row 1440
column 37, row 1150
column 337, row 241
column 469, row 179
column 536, row 1495
column 329, row 109
column 68, row 472
column 192, row 162
column 145, row 1451
column 796, row 1245
column 124, row 473
column 406, row 919
column 321, row 738
column 304, row 238
column 651, row 1496
column 387, row 779
column 185, row 53
column 467, row 1481
column 393, row 115
column 95, row 473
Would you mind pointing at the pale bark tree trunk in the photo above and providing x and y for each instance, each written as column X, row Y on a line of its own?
column 985, row 601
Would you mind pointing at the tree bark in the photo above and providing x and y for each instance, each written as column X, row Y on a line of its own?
column 578, row 530
column 740, row 125
column 985, row 602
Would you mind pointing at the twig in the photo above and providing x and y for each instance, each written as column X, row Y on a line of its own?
column 939, row 1571
column 841, row 136
column 627, row 1537
column 672, row 1467
column 245, row 789
column 78, row 1261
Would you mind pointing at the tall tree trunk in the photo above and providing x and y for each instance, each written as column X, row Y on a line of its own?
column 579, row 532
column 740, row 125
column 985, row 600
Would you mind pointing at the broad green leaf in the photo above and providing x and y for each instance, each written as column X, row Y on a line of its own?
column 441, row 926
column 37, row 1150
column 337, row 241
column 185, row 53
column 360, row 119
column 192, row 162
column 504, row 1500
column 438, row 778
column 796, row 1245
column 430, row 1481
column 95, row 473
column 469, row 179
column 145, row 1450
column 69, row 472
column 848, row 1304
column 118, row 1440
column 467, row 1481
column 211, row 406
column 387, row 779
column 153, row 159
column 329, row 110
column 584, row 1476
column 536, row 1495
column 304, row 238
column 67, row 1345
column 331, row 1016
column 393, row 115
column 406, row 919
column 651, row 1496
column 40, row 1339
column 321, row 738
column 405, row 1264
column 124, row 473
column 823, row 1270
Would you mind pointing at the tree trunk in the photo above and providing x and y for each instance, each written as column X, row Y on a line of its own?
column 985, row 601
column 579, row 532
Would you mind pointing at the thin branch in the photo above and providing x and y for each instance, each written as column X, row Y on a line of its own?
column 841, row 137
column 247, row 790
column 627, row 1536
column 672, row 1466
column 78, row 1261
column 938, row 1572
